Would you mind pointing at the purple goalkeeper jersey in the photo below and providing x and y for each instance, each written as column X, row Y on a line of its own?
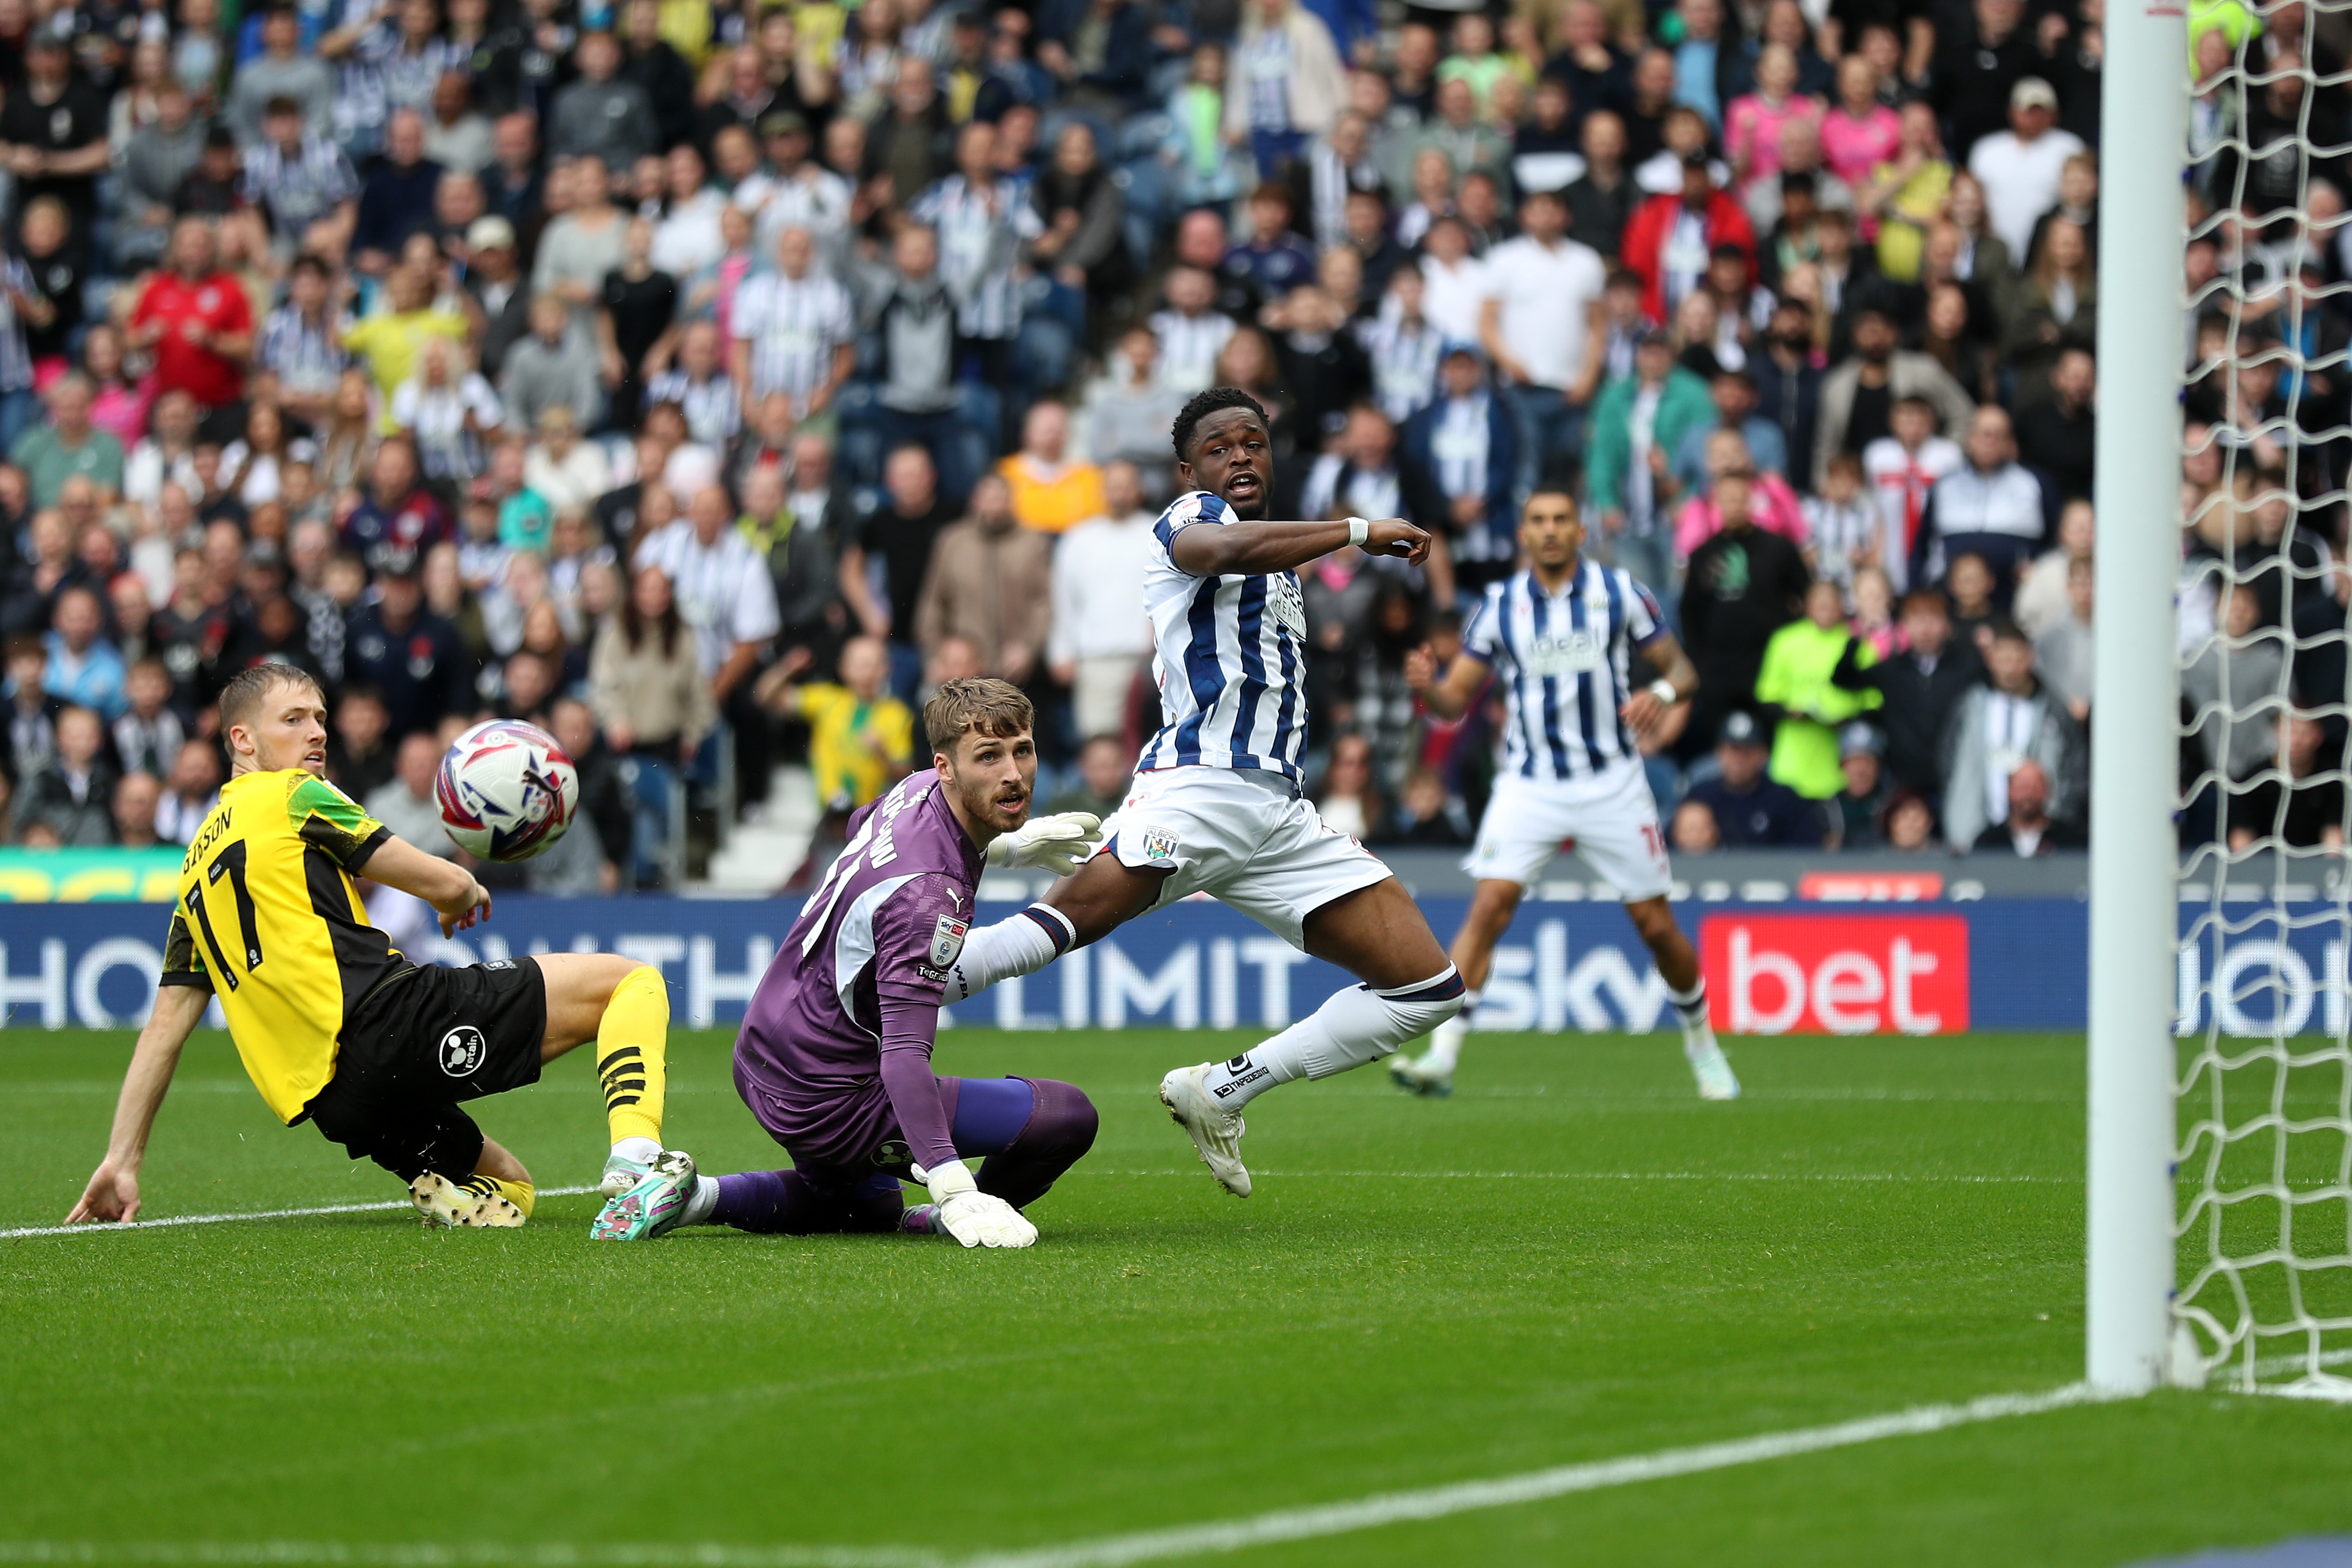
column 835, row 1057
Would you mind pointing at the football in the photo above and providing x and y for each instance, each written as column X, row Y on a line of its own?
column 507, row 790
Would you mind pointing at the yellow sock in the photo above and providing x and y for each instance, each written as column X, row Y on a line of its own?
column 631, row 1055
column 522, row 1195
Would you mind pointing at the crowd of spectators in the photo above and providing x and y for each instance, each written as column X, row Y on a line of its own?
column 707, row 380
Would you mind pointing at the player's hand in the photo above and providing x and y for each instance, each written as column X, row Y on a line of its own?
column 1643, row 712
column 1395, row 536
column 972, row 1217
column 470, row 907
column 111, row 1197
column 1059, row 844
column 1421, row 668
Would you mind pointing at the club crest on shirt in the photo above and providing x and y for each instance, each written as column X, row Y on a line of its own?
column 946, row 941
column 1159, row 846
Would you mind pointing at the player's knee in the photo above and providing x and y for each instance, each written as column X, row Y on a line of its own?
column 1065, row 1122
column 1420, row 1007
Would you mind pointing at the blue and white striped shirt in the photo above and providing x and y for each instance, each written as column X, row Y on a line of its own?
column 1562, row 661
column 1229, row 656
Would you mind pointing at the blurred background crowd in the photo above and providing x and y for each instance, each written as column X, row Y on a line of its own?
column 706, row 381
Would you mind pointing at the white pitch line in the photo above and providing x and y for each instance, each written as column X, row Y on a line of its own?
column 1104, row 1551
column 1864, row 1177
column 105, row 1229
column 1465, row 1496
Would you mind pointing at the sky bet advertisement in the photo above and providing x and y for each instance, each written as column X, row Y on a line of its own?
column 1784, row 968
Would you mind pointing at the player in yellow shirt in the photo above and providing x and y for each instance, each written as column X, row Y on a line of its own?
column 336, row 1027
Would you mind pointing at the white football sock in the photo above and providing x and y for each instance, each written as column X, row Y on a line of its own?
column 1356, row 1026
column 637, row 1151
column 705, row 1199
column 1021, row 945
column 1445, row 1041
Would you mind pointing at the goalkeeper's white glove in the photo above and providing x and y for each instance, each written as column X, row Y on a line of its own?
column 972, row 1217
column 1059, row 844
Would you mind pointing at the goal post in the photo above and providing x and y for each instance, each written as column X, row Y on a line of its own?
column 2143, row 131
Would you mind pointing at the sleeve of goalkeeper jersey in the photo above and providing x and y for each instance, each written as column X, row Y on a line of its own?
column 918, row 934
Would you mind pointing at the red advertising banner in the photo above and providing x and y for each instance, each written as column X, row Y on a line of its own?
column 1836, row 974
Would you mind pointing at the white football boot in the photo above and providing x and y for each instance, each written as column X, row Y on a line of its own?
column 1215, row 1132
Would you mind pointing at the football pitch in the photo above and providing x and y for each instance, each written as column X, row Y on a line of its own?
column 1662, row 1327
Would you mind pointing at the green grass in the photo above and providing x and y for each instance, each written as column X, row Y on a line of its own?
column 1418, row 1293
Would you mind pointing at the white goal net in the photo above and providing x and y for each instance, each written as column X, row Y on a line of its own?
column 2264, row 963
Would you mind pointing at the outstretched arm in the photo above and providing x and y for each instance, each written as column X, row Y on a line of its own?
column 1645, row 709
column 113, row 1190
column 1256, row 547
column 449, row 888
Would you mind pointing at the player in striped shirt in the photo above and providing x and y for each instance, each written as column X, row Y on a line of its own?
column 1559, row 640
column 1216, row 807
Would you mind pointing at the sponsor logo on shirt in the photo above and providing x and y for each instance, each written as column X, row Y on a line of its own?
column 1570, row 652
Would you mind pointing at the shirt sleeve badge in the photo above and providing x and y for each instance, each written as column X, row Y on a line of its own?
column 946, row 941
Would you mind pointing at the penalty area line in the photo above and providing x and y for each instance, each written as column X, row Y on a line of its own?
column 1271, row 1528
column 168, row 1221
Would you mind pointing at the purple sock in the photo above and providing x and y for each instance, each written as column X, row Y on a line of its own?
column 755, row 1200
column 786, row 1203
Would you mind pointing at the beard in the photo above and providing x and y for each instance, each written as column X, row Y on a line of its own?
column 995, row 805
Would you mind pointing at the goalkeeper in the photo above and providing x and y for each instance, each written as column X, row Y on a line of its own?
column 835, row 1057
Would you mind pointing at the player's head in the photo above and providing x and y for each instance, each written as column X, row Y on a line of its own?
column 273, row 716
column 981, row 742
column 1223, row 446
column 1550, row 528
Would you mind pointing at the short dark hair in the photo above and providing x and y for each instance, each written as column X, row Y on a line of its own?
column 248, row 687
column 279, row 104
column 983, row 703
column 2003, row 629
column 1200, row 405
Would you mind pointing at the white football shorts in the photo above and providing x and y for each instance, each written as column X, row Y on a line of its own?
column 1239, row 839
column 1609, row 820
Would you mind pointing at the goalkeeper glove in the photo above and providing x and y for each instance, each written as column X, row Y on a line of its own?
column 1059, row 844
column 972, row 1217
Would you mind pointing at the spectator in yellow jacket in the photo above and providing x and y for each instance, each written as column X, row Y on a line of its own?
column 1796, row 678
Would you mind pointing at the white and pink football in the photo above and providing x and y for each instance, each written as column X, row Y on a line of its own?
column 507, row 790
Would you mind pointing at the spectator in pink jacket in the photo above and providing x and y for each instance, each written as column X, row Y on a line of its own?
column 1751, row 128
column 1772, row 506
column 1861, row 132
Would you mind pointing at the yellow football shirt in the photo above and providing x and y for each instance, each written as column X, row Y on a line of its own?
column 852, row 743
column 269, row 921
column 394, row 342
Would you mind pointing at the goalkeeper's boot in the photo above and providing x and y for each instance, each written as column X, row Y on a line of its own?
column 654, row 1206
column 1215, row 1132
column 1713, row 1071
column 1420, row 1077
column 476, row 1201
column 620, row 1173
